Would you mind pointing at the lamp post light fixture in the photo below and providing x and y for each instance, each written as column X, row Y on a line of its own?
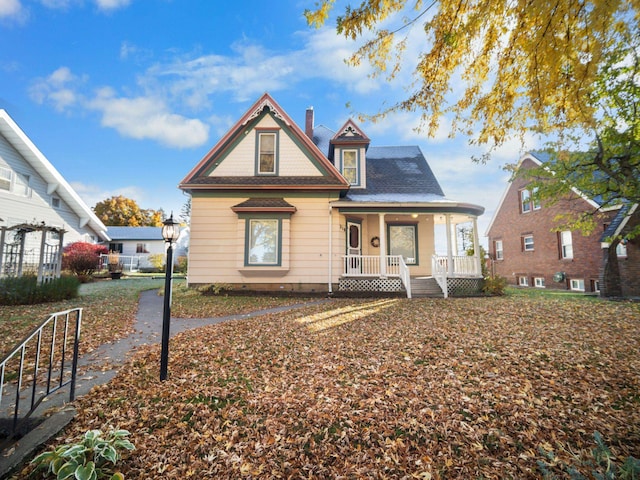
column 170, row 233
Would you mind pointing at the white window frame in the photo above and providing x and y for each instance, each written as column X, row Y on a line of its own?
column 525, row 201
column 499, row 248
column 538, row 282
column 566, row 244
column 528, row 246
column 621, row 250
column 536, row 201
column 523, row 281
column 6, row 175
column 577, row 284
column 351, row 170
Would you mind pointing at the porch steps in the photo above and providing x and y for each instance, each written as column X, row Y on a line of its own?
column 425, row 287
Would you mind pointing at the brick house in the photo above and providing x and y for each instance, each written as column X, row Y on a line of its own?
column 620, row 273
column 526, row 249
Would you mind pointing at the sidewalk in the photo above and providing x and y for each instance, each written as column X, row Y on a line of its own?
column 147, row 330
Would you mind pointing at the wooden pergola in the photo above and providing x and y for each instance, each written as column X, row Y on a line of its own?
column 13, row 253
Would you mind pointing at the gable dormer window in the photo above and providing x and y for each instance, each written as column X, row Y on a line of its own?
column 267, row 153
column 349, row 166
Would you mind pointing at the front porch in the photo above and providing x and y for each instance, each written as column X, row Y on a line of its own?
column 451, row 275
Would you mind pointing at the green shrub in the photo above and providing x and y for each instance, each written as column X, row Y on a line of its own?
column 214, row 288
column 494, row 285
column 26, row 291
column 183, row 263
column 93, row 458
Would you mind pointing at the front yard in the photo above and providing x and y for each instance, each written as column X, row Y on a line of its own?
column 385, row 388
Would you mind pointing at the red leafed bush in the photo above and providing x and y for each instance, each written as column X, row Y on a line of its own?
column 82, row 258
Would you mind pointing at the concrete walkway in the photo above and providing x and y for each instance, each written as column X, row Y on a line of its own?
column 92, row 372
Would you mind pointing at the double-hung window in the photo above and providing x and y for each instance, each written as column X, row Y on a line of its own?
column 566, row 244
column 350, row 166
column 5, row 179
column 525, row 201
column 498, row 249
column 403, row 240
column 263, row 245
column 267, row 153
column 527, row 243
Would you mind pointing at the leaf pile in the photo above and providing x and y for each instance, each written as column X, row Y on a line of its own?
column 458, row 388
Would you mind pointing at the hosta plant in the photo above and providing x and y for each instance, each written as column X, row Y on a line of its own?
column 92, row 458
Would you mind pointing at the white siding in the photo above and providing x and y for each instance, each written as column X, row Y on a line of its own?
column 36, row 208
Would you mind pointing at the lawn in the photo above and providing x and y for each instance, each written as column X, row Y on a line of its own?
column 385, row 388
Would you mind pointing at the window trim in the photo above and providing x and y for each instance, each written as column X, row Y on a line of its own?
column 7, row 179
column 523, row 281
column 247, row 241
column 578, row 281
column 356, row 183
column 525, row 245
column 621, row 250
column 525, row 201
column 415, row 240
column 538, row 282
column 563, row 245
column 499, row 256
column 276, row 148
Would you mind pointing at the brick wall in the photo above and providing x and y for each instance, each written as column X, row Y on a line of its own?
column 510, row 225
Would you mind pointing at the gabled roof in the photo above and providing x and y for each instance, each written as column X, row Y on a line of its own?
column 135, row 233
column 55, row 182
column 538, row 158
column 617, row 224
column 198, row 179
column 350, row 133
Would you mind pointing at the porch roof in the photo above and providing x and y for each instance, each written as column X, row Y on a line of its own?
column 406, row 205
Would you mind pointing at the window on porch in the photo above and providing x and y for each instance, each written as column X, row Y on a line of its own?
column 403, row 240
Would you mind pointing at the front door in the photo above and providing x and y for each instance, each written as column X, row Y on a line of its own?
column 354, row 247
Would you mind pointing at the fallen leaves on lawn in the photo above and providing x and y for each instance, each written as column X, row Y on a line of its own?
column 458, row 388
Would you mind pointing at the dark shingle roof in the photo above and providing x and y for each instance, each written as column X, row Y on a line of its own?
column 135, row 233
column 610, row 231
column 398, row 170
column 264, row 203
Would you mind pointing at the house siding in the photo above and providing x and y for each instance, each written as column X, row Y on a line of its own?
column 510, row 225
column 304, row 265
column 36, row 208
column 241, row 160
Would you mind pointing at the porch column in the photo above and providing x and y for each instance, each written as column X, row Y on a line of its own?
column 476, row 247
column 43, row 243
column 2, row 237
column 330, row 249
column 449, row 247
column 383, row 245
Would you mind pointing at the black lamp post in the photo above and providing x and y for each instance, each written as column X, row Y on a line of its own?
column 170, row 233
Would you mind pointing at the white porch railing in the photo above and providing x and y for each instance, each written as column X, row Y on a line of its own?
column 463, row 266
column 371, row 266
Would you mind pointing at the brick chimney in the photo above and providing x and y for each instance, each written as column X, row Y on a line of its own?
column 308, row 123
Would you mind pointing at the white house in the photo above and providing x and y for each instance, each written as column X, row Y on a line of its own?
column 39, row 211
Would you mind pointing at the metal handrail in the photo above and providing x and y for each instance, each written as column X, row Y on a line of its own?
column 57, row 367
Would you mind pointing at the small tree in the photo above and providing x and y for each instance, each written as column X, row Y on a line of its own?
column 82, row 258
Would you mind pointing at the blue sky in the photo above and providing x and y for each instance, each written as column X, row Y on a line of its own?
column 126, row 96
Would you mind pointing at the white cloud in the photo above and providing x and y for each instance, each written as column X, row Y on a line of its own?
column 148, row 118
column 58, row 89
column 13, row 10
column 110, row 5
column 92, row 194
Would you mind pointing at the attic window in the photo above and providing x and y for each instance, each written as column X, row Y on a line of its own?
column 267, row 158
column 350, row 166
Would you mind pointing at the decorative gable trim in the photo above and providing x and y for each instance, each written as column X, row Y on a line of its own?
column 266, row 103
column 351, row 133
column 263, row 205
column 199, row 178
